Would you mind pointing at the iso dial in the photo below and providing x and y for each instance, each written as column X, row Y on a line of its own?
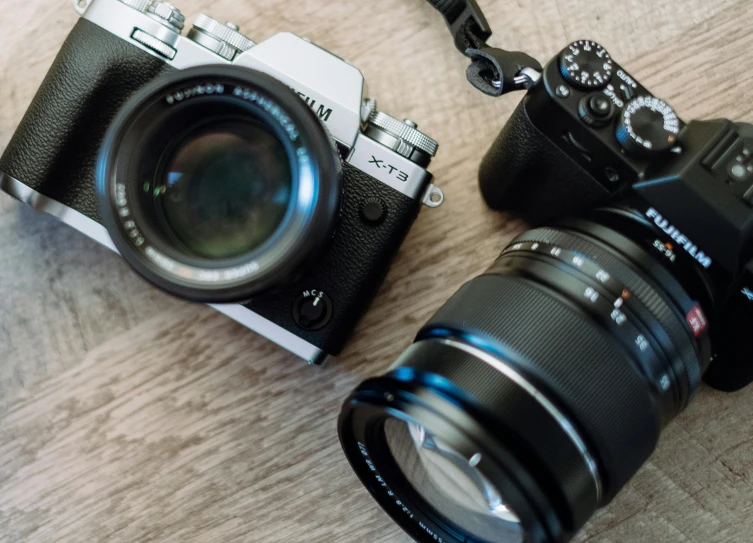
column 587, row 65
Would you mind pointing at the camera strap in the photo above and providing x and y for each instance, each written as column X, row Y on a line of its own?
column 493, row 71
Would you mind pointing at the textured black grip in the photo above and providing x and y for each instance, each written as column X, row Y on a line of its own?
column 573, row 361
column 54, row 151
column 353, row 268
column 526, row 173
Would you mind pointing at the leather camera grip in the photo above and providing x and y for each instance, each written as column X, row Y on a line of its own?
column 55, row 148
column 525, row 173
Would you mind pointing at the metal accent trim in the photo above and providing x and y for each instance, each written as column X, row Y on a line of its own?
column 274, row 333
column 409, row 134
column 392, row 169
column 222, row 32
column 542, row 400
column 97, row 232
column 154, row 44
column 65, row 214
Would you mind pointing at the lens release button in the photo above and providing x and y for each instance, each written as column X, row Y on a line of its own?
column 312, row 310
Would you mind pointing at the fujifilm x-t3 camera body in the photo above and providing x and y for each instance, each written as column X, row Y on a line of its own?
column 254, row 177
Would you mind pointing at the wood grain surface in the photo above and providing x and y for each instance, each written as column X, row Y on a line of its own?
column 126, row 415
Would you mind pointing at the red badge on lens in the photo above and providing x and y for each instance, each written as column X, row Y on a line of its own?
column 697, row 321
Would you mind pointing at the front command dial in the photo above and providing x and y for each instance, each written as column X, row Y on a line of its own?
column 648, row 125
column 587, row 65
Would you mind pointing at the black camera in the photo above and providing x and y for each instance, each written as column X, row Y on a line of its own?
column 533, row 396
column 256, row 177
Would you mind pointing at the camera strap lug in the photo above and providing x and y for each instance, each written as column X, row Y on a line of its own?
column 433, row 196
column 493, row 71
column 81, row 6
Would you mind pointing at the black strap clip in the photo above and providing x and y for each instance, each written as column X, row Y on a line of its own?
column 469, row 27
column 496, row 72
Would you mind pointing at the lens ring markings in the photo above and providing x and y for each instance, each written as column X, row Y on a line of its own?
column 613, row 303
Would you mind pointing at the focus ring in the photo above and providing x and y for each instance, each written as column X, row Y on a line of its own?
column 647, row 294
column 571, row 359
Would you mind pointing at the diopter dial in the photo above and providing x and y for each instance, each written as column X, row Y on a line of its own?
column 587, row 65
column 648, row 125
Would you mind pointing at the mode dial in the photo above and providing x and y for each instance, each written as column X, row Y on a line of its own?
column 587, row 65
column 648, row 125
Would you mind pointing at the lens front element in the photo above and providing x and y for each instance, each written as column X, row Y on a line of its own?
column 451, row 483
column 226, row 189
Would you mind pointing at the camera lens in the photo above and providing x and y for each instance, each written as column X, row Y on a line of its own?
column 219, row 183
column 535, row 394
column 225, row 189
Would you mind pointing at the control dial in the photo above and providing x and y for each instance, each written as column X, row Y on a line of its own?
column 403, row 137
column 587, row 65
column 648, row 125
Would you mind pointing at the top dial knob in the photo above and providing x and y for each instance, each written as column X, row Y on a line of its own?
column 648, row 125
column 587, row 65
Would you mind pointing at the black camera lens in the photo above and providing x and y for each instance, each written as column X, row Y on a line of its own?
column 219, row 183
column 533, row 396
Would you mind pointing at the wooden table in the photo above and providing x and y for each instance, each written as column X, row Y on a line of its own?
column 126, row 415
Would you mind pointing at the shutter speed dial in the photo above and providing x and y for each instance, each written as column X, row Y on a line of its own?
column 586, row 65
column 648, row 125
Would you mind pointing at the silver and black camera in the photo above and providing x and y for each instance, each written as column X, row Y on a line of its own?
column 254, row 177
